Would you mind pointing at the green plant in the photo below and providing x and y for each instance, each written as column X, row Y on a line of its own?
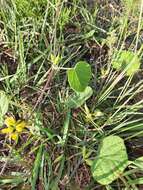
column 111, row 160
column 78, row 99
column 79, row 76
column 127, row 61
column 83, row 119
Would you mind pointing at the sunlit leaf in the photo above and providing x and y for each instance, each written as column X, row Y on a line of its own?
column 79, row 98
column 111, row 160
column 127, row 61
column 79, row 76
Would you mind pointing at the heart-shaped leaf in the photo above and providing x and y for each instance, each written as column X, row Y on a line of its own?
column 128, row 61
column 79, row 98
column 79, row 76
column 111, row 160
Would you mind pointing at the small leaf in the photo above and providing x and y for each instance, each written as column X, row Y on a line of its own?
column 80, row 98
column 128, row 61
column 139, row 162
column 4, row 103
column 79, row 76
column 14, row 180
column 89, row 34
column 111, row 160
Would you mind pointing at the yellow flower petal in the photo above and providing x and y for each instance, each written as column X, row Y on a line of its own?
column 7, row 130
column 20, row 126
column 14, row 136
column 10, row 121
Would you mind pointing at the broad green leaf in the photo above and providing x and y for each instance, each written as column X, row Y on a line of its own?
column 79, row 98
column 111, row 160
column 79, row 76
column 4, row 103
column 128, row 61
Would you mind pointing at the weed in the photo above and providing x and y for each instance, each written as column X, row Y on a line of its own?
column 72, row 71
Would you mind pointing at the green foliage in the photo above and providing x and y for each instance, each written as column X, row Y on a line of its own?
column 64, row 17
column 40, row 36
column 89, row 34
column 79, row 98
column 79, row 76
column 4, row 103
column 128, row 61
column 36, row 168
column 16, row 180
column 31, row 8
column 111, row 160
column 138, row 162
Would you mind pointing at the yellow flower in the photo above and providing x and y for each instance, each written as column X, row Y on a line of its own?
column 14, row 136
column 13, row 128
column 10, row 121
column 55, row 59
column 20, row 125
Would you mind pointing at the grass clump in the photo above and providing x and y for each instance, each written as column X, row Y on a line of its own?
column 72, row 93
